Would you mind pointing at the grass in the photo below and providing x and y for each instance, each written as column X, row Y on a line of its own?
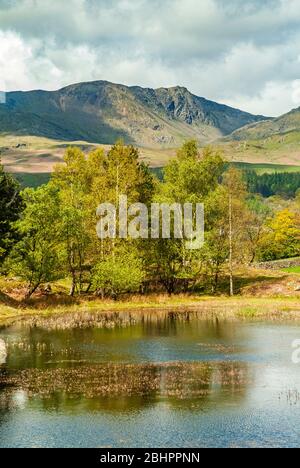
column 295, row 269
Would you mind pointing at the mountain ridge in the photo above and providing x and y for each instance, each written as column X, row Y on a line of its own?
column 102, row 112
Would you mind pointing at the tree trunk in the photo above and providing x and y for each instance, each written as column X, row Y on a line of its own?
column 170, row 286
column 73, row 286
column 215, row 282
column 231, row 247
column 31, row 290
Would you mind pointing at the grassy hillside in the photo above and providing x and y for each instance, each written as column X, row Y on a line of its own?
column 275, row 150
column 36, row 155
column 31, row 154
column 281, row 126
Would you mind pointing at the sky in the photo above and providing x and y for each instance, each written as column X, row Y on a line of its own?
column 244, row 53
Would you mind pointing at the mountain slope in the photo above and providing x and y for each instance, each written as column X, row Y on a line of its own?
column 280, row 126
column 102, row 112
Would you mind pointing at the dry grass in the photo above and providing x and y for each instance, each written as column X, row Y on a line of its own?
column 109, row 313
column 30, row 154
column 37, row 155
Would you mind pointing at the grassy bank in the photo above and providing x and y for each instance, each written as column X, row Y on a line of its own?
column 106, row 311
column 261, row 294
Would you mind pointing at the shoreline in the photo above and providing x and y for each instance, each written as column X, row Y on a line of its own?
column 99, row 312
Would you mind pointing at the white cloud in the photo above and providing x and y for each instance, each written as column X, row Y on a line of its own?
column 282, row 94
column 21, row 67
column 296, row 92
column 244, row 53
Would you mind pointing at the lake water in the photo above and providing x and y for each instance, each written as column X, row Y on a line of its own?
column 162, row 382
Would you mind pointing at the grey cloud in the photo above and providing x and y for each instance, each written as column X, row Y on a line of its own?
column 230, row 50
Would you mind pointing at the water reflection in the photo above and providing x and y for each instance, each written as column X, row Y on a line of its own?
column 190, row 380
column 154, row 338
column 112, row 384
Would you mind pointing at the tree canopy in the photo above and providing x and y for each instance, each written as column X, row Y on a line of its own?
column 49, row 233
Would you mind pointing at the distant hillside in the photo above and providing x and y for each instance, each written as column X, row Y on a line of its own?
column 283, row 125
column 103, row 112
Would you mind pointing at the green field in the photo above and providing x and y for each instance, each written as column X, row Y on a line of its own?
column 36, row 179
column 32, row 159
column 267, row 168
column 32, row 180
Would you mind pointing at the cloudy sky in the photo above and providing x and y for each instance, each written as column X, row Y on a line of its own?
column 245, row 53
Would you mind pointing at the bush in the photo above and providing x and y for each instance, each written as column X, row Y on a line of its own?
column 118, row 274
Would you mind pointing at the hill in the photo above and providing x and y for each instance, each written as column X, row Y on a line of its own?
column 281, row 126
column 275, row 141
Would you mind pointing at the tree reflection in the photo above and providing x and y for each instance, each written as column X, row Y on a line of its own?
column 117, row 387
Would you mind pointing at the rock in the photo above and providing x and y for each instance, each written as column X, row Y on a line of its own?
column 3, row 352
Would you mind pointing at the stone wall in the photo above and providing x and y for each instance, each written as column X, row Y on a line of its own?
column 279, row 264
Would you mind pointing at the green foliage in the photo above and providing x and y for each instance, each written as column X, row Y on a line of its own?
column 118, row 273
column 28, row 180
column 285, row 184
column 191, row 177
column 11, row 206
column 281, row 237
column 83, row 184
column 36, row 258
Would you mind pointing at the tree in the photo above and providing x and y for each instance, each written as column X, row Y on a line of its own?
column 235, row 206
column 36, row 258
column 191, row 177
column 126, row 175
column 83, row 184
column 122, row 174
column 255, row 219
column 285, row 184
column 215, row 252
column 72, row 181
column 11, row 205
column 281, row 238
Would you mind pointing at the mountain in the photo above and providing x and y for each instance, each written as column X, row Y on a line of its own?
column 102, row 112
column 283, row 125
